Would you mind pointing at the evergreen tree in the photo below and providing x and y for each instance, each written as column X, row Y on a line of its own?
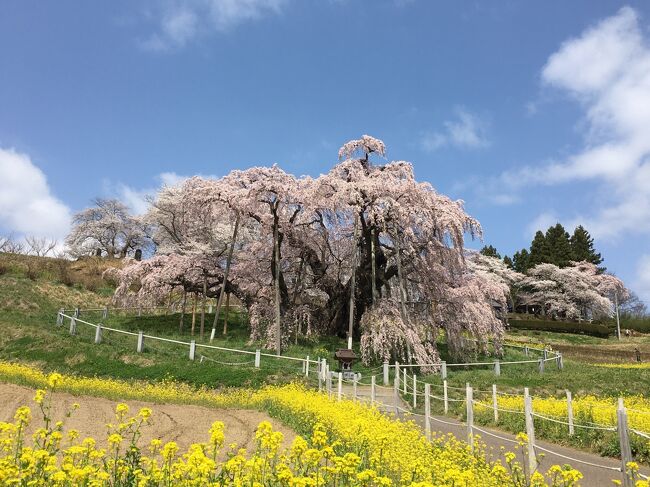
column 490, row 251
column 521, row 261
column 508, row 261
column 559, row 246
column 540, row 251
column 582, row 246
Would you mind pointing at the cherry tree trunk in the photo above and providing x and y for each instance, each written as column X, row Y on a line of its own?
column 226, row 273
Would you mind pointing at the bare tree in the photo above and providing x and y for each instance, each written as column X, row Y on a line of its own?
column 10, row 245
column 40, row 246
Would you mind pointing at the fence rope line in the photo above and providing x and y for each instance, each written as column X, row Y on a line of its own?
column 577, row 425
column 641, row 433
column 492, row 434
column 616, row 469
column 203, row 357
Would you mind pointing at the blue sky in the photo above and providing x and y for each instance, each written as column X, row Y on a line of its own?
column 532, row 112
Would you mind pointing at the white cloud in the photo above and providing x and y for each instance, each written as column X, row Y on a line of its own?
column 181, row 21
column 467, row 130
column 541, row 222
column 27, row 206
column 607, row 70
column 642, row 283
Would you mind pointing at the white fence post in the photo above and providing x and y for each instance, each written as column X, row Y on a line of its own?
column 560, row 361
column 396, row 395
column 307, row 367
column 405, row 381
column 386, row 380
column 569, row 411
column 372, row 390
column 77, row 312
column 445, row 396
column 540, row 365
column 469, row 400
column 354, row 387
column 73, row 326
column 443, row 370
column 624, row 439
column 545, row 352
column 530, row 432
column 526, row 350
column 495, row 404
column 59, row 317
column 192, row 349
column 105, row 313
column 98, row 334
column 427, row 411
column 340, row 387
column 258, row 358
column 396, row 379
column 415, row 391
column 140, row 346
column 209, row 309
column 329, row 381
column 497, row 367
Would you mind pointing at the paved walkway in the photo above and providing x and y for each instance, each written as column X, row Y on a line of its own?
column 592, row 475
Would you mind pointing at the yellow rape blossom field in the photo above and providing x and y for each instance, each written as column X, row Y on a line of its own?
column 343, row 444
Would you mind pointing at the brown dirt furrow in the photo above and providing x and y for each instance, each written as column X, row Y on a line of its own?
column 170, row 422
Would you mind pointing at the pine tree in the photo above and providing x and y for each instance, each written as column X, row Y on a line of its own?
column 582, row 246
column 490, row 251
column 559, row 246
column 521, row 261
column 508, row 261
column 540, row 251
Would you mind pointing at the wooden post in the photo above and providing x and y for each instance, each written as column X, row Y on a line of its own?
column 540, row 365
column 526, row 350
column 59, row 317
column 354, row 387
column 73, row 326
column 396, row 380
column 427, row 411
column 560, row 361
column 225, row 277
column 196, row 297
column 405, row 380
column 329, row 381
column 340, row 387
column 445, row 397
column 569, row 411
column 98, row 334
column 105, row 313
column 415, row 391
column 469, row 401
column 140, row 346
column 307, row 366
column 443, row 370
column 373, row 265
column 372, row 390
column 386, row 376
column 276, row 253
column 77, row 312
column 530, row 432
column 192, row 349
column 203, row 300
column 545, row 353
column 495, row 404
column 258, row 358
column 226, row 314
column 497, row 368
column 320, row 379
column 353, row 281
column 181, row 319
column 624, row 440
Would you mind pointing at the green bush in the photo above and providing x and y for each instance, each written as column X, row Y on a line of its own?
column 584, row 328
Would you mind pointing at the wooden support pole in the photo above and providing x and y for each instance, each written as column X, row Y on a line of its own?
column 307, row 366
column 396, row 379
column 540, row 365
column 396, row 396
column 105, row 313
column 192, row 349
column 495, row 403
column 140, row 346
column 443, row 370
column 373, row 390
column 340, row 387
column 497, row 368
column 415, row 391
column 73, row 326
column 405, row 380
column 225, row 277
column 258, row 358
column 98, row 334
column 386, row 376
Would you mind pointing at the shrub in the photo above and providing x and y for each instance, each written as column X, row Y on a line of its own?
column 584, row 328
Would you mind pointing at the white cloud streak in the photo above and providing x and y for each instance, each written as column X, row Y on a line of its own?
column 467, row 130
column 607, row 70
column 182, row 21
column 27, row 205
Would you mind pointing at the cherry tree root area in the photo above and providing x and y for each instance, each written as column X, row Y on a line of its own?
column 169, row 422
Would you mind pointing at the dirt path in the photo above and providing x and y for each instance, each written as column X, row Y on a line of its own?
column 170, row 422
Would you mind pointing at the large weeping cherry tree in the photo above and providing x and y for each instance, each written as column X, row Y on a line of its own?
column 364, row 251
